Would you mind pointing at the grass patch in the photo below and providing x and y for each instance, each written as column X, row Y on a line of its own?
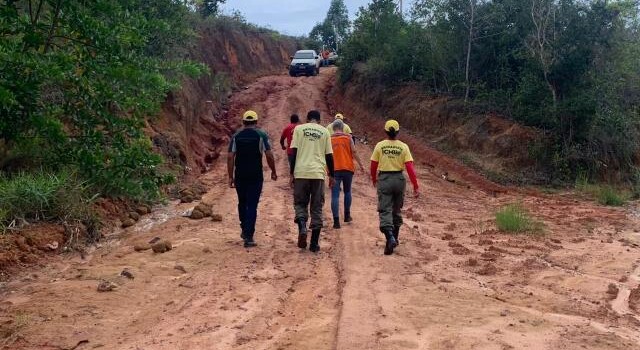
column 41, row 196
column 603, row 194
column 516, row 219
column 608, row 196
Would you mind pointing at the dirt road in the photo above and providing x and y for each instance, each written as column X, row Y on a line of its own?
column 453, row 283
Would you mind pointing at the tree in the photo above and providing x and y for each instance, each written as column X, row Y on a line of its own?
column 335, row 27
column 338, row 20
column 208, row 7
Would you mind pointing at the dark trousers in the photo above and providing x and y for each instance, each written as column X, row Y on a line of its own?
column 307, row 191
column 345, row 178
column 391, row 188
column 290, row 159
column 248, row 197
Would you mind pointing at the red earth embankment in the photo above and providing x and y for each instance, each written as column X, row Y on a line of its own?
column 193, row 126
column 487, row 142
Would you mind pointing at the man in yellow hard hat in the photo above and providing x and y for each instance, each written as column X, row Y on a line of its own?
column 244, row 165
column 389, row 159
column 346, row 129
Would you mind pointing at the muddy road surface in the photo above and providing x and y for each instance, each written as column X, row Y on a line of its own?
column 453, row 283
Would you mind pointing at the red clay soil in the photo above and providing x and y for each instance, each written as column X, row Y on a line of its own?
column 28, row 247
column 487, row 140
column 192, row 129
column 453, row 283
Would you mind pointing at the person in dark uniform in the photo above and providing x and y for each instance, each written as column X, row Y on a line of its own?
column 389, row 159
column 244, row 165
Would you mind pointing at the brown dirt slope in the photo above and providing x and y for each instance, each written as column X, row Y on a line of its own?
column 486, row 141
column 192, row 126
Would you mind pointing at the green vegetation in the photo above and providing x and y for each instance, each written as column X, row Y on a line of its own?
column 41, row 196
column 603, row 194
column 607, row 195
column 332, row 32
column 78, row 80
column 570, row 68
column 516, row 219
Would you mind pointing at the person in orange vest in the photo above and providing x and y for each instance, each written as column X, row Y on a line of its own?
column 390, row 157
column 344, row 154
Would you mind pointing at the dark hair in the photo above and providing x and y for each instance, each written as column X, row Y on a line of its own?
column 295, row 118
column 313, row 114
column 392, row 133
column 249, row 122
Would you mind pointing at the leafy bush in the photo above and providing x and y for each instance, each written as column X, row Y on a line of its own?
column 514, row 218
column 79, row 78
column 44, row 196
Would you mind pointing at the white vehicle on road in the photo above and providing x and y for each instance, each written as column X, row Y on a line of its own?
column 305, row 62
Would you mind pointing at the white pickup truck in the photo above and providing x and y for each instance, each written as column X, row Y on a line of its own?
column 305, row 62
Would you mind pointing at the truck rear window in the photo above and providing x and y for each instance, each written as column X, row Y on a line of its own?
column 304, row 55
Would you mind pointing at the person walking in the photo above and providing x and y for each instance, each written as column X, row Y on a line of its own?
column 244, row 166
column 312, row 157
column 390, row 157
column 346, row 128
column 287, row 134
column 344, row 154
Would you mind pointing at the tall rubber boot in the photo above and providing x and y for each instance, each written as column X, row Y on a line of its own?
column 302, row 234
column 396, row 233
column 336, row 222
column 315, row 236
column 391, row 242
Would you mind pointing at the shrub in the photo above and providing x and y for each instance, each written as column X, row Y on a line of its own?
column 514, row 218
column 43, row 196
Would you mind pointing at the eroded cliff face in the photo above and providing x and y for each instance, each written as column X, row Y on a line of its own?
column 195, row 122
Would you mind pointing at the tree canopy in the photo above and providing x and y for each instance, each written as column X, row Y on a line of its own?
column 568, row 67
column 335, row 27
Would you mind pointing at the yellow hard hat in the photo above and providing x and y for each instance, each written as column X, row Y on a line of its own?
column 340, row 116
column 250, row 116
column 391, row 124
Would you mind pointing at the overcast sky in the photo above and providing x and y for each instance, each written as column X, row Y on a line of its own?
column 294, row 17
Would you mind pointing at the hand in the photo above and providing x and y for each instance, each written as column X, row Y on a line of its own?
column 284, row 147
column 274, row 176
column 416, row 193
column 232, row 183
column 374, row 182
column 291, row 181
column 332, row 181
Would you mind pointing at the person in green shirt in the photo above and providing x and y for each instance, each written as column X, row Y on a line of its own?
column 312, row 156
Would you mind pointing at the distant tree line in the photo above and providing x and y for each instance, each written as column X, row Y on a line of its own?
column 568, row 67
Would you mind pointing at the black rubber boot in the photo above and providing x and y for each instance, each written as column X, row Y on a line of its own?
column 391, row 242
column 396, row 234
column 302, row 234
column 347, row 217
column 336, row 222
column 315, row 236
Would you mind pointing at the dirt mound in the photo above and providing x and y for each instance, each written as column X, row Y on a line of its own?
column 29, row 245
